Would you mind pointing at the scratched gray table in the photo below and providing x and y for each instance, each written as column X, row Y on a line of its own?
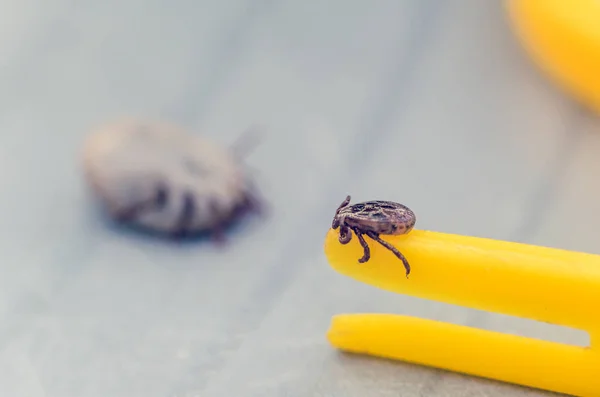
column 425, row 102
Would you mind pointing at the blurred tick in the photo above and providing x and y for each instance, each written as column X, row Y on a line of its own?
column 374, row 218
column 160, row 177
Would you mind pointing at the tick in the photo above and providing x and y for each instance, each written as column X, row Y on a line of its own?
column 160, row 177
column 373, row 218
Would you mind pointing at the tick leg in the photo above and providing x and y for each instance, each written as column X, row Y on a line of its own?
column 132, row 212
column 345, row 235
column 158, row 201
column 389, row 246
column 247, row 141
column 363, row 243
column 186, row 217
column 161, row 197
column 218, row 237
column 344, row 203
column 253, row 203
column 127, row 214
column 217, row 233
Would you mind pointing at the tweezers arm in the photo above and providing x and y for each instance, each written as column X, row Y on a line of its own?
column 544, row 284
column 530, row 362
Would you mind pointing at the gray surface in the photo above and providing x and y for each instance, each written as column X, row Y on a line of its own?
column 425, row 102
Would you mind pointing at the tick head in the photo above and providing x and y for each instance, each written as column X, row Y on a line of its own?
column 336, row 221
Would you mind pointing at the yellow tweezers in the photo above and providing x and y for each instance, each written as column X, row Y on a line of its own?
column 544, row 284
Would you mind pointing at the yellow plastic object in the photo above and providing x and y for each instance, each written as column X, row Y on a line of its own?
column 563, row 38
column 544, row 284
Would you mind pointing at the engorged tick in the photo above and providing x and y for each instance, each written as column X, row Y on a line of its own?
column 161, row 177
column 373, row 218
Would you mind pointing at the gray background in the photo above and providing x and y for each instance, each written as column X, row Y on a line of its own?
column 430, row 103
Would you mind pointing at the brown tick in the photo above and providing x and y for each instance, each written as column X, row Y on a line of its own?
column 373, row 218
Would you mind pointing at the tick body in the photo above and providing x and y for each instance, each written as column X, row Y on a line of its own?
column 373, row 218
column 158, row 176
